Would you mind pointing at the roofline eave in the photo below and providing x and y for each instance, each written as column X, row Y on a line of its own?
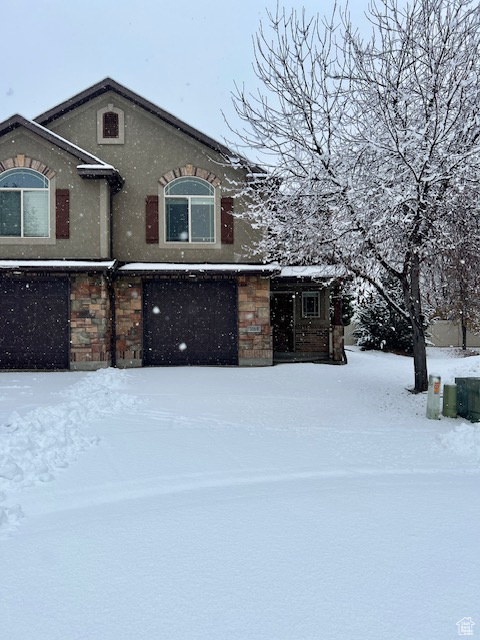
column 111, row 85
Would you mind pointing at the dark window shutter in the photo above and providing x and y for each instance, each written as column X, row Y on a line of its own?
column 110, row 125
column 151, row 219
column 62, row 207
column 226, row 221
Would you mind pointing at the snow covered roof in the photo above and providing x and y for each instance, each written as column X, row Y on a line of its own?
column 19, row 121
column 95, row 160
column 104, row 165
column 271, row 269
column 321, row 271
column 169, row 267
column 91, row 166
column 71, row 265
column 104, row 170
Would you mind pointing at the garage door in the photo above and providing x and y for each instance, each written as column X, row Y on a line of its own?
column 35, row 331
column 190, row 323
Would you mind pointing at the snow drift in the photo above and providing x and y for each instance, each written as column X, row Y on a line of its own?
column 34, row 447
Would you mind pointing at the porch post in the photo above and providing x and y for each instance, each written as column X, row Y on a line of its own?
column 338, row 351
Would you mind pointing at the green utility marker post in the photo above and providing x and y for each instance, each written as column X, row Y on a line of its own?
column 450, row 400
column 433, row 397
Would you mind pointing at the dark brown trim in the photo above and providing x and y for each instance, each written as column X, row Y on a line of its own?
column 151, row 220
column 226, row 220
column 110, row 174
column 62, row 214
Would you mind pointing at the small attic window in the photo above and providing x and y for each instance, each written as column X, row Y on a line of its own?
column 110, row 125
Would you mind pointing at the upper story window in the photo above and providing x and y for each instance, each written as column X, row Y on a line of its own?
column 189, row 211
column 24, row 204
column 110, row 125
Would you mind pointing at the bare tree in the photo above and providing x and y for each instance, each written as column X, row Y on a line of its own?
column 374, row 141
column 457, row 281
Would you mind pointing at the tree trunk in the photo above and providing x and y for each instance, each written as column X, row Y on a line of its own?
column 464, row 336
column 411, row 291
column 419, row 357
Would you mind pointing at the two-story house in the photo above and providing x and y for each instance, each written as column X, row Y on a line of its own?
column 119, row 246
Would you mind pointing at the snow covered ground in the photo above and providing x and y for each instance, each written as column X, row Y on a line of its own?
column 294, row 502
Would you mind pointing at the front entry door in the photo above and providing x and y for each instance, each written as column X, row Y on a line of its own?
column 283, row 322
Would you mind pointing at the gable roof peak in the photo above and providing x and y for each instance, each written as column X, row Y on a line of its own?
column 108, row 84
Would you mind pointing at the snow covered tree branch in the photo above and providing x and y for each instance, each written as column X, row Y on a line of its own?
column 375, row 141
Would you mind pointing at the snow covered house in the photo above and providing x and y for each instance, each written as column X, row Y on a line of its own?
column 118, row 246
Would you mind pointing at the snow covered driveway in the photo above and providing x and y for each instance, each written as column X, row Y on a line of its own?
column 294, row 502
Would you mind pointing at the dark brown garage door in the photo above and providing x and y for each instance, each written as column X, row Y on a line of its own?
column 190, row 323
column 34, row 328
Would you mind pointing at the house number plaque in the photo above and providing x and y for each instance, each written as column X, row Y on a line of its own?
column 255, row 328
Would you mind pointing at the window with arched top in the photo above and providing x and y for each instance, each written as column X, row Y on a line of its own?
column 24, row 204
column 111, row 126
column 189, row 210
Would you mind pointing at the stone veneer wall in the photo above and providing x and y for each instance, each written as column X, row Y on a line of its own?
column 90, row 326
column 254, row 329
column 129, row 327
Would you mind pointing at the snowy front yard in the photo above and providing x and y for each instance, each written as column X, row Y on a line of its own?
column 286, row 503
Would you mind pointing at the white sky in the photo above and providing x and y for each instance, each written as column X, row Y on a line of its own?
column 184, row 56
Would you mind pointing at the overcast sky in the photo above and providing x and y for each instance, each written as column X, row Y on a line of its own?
column 184, row 56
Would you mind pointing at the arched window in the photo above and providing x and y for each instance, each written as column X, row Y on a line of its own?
column 111, row 125
column 189, row 210
column 24, row 204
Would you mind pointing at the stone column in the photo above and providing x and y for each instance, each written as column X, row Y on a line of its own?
column 129, row 323
column 90, row 323
column 254, row 329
